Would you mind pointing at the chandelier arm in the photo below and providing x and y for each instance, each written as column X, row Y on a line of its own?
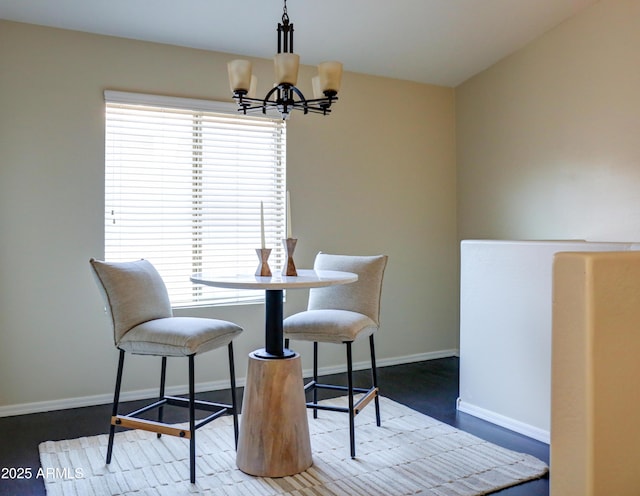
column 299, row 93
column 304, row 107
column 246, row 101
column 249, row 108
column 327, row 100
column 271, row 92
column 316, row 110
column 243, row 100
column 294, row 106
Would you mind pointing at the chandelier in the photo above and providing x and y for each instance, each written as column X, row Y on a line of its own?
column 285, row 96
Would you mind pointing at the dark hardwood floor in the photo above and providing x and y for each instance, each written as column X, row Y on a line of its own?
column 430, row 387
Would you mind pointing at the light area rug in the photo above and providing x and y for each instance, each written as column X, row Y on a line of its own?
column 410, row 453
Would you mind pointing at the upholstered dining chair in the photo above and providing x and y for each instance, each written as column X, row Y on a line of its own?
column 342, row 315
column 138, row 307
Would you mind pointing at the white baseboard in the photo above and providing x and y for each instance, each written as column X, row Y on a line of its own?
column 101, row 399
column 503, row 421
column 385, row 362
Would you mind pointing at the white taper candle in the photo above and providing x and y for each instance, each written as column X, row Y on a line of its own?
column 288, row 216
column 262, row 241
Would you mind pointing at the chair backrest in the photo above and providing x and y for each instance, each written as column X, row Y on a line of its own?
column 134, row 293
column 362, row 296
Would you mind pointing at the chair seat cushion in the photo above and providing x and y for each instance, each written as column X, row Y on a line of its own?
column 178, row 336
column 328, row 326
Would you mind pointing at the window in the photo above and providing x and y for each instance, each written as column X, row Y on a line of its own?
column 184, row 181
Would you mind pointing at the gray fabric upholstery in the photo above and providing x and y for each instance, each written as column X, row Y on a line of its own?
column 178, row 336
column 336, row 314
column 362, row 296
column 140, row 312
column 134, row 293
column 328, row 326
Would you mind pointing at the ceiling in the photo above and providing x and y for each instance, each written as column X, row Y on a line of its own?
column 441, row 42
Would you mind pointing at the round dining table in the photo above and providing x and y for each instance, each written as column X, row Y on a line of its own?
column 274, row 430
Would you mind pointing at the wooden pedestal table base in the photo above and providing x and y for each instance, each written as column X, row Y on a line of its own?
column 274, row 431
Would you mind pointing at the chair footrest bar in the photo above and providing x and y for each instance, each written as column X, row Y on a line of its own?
column 364, row 401
column 181, row 402
column 149, row 425
column 200, row 404
column 334, row 387
column 150, row 406
column 328, row 408
column 357, row 407
column 210, row 418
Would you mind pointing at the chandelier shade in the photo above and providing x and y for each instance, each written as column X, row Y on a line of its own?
column 286, row 68
column 330, row 74
column 239, row 74
column 285, row 95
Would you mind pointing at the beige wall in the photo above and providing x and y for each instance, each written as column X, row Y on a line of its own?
column 595, row 401
column 548, row 139
column 369, row 179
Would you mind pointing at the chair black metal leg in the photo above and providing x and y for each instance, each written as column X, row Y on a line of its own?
column 315, row 377
column 163, row 377
column 352, row 430
column 286, row 343
column 234, row 399
column 374, row 378
column 116, row 400
column 192, row 420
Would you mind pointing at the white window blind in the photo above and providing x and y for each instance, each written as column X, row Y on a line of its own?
column 184, row 180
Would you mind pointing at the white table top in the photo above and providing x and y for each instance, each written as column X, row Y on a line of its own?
column 305, row 279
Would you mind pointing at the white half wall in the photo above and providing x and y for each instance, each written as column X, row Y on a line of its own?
column 505, row 330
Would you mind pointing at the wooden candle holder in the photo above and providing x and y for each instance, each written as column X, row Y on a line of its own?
column 289, row 268
column 263, row 266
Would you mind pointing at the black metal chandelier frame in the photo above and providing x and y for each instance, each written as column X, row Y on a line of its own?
column 285, row 97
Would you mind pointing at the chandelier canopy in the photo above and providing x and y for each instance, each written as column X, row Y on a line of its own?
column 285, row 96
